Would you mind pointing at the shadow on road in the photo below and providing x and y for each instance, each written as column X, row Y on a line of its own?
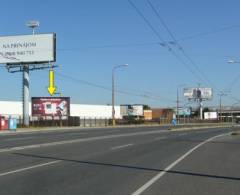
column 81, row 162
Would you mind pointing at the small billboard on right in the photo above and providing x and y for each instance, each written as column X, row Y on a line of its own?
column 198, row 93
column 131, row 110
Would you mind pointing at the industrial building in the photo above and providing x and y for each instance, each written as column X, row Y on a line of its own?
column 14, row 109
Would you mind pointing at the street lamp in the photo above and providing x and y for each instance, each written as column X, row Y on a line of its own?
column 113, row 90
column 33, row 24
column 231, row 61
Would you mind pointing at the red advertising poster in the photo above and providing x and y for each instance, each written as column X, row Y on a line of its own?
column 50, row 106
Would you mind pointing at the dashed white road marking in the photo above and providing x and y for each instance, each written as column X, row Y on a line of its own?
column 162, row 173
column 160, row 138
column 122, row 146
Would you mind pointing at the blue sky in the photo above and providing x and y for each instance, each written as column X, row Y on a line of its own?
column 93, row 36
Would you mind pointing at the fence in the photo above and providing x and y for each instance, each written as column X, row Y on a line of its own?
column 100, row 122
column 65, row 121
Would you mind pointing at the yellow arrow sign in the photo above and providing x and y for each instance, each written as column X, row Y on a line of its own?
column 51, row 87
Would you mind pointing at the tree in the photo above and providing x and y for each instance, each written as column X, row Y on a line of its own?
column 146, row 107
column 206, row 109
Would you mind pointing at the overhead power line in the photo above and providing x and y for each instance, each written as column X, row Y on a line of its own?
column 174, row 41
column 124, row 92
column 165, row 43
column 232, row 83
column 201, row 34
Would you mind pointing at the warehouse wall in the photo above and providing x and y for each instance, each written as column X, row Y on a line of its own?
column 98, row 111
column 14, row 108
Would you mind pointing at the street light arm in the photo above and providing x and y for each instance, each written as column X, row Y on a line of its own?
column 119, row 66
column 233, row 61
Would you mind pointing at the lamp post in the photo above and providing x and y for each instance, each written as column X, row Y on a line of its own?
column 113, row 91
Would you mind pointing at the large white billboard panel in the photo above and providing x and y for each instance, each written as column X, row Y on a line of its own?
column 131, row 110
column 210, row 115
column 198, row 93
column 21, row 49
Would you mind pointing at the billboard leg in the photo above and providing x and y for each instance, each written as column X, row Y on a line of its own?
column 26, row 96
column 201, row 110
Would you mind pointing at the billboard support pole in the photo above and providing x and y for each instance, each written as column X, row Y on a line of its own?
column 177, row 116
column 25, row 96
column 33, row 25
column 201, row 109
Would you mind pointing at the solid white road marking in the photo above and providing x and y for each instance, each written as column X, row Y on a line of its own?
column 122, row 146
column 28, row 168
column 162, row 173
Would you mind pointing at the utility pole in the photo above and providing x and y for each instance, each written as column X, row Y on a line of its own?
column 221, row 94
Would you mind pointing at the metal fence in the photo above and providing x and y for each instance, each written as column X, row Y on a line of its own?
column 100, row 122
column 66, row 121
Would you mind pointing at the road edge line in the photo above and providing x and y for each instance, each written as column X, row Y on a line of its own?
column 173, row 164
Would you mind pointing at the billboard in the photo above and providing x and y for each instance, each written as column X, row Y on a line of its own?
column 32, row 49
column 183, row 111
column 50, row 106
column 198, row 93
column 131, row 110
column 210, row 115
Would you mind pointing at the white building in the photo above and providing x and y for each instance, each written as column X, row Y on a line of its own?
column 14, row 108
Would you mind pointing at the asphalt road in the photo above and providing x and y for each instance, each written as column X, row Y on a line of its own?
column 149, row 160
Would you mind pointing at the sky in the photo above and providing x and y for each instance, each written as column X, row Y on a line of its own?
column 94, row 36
